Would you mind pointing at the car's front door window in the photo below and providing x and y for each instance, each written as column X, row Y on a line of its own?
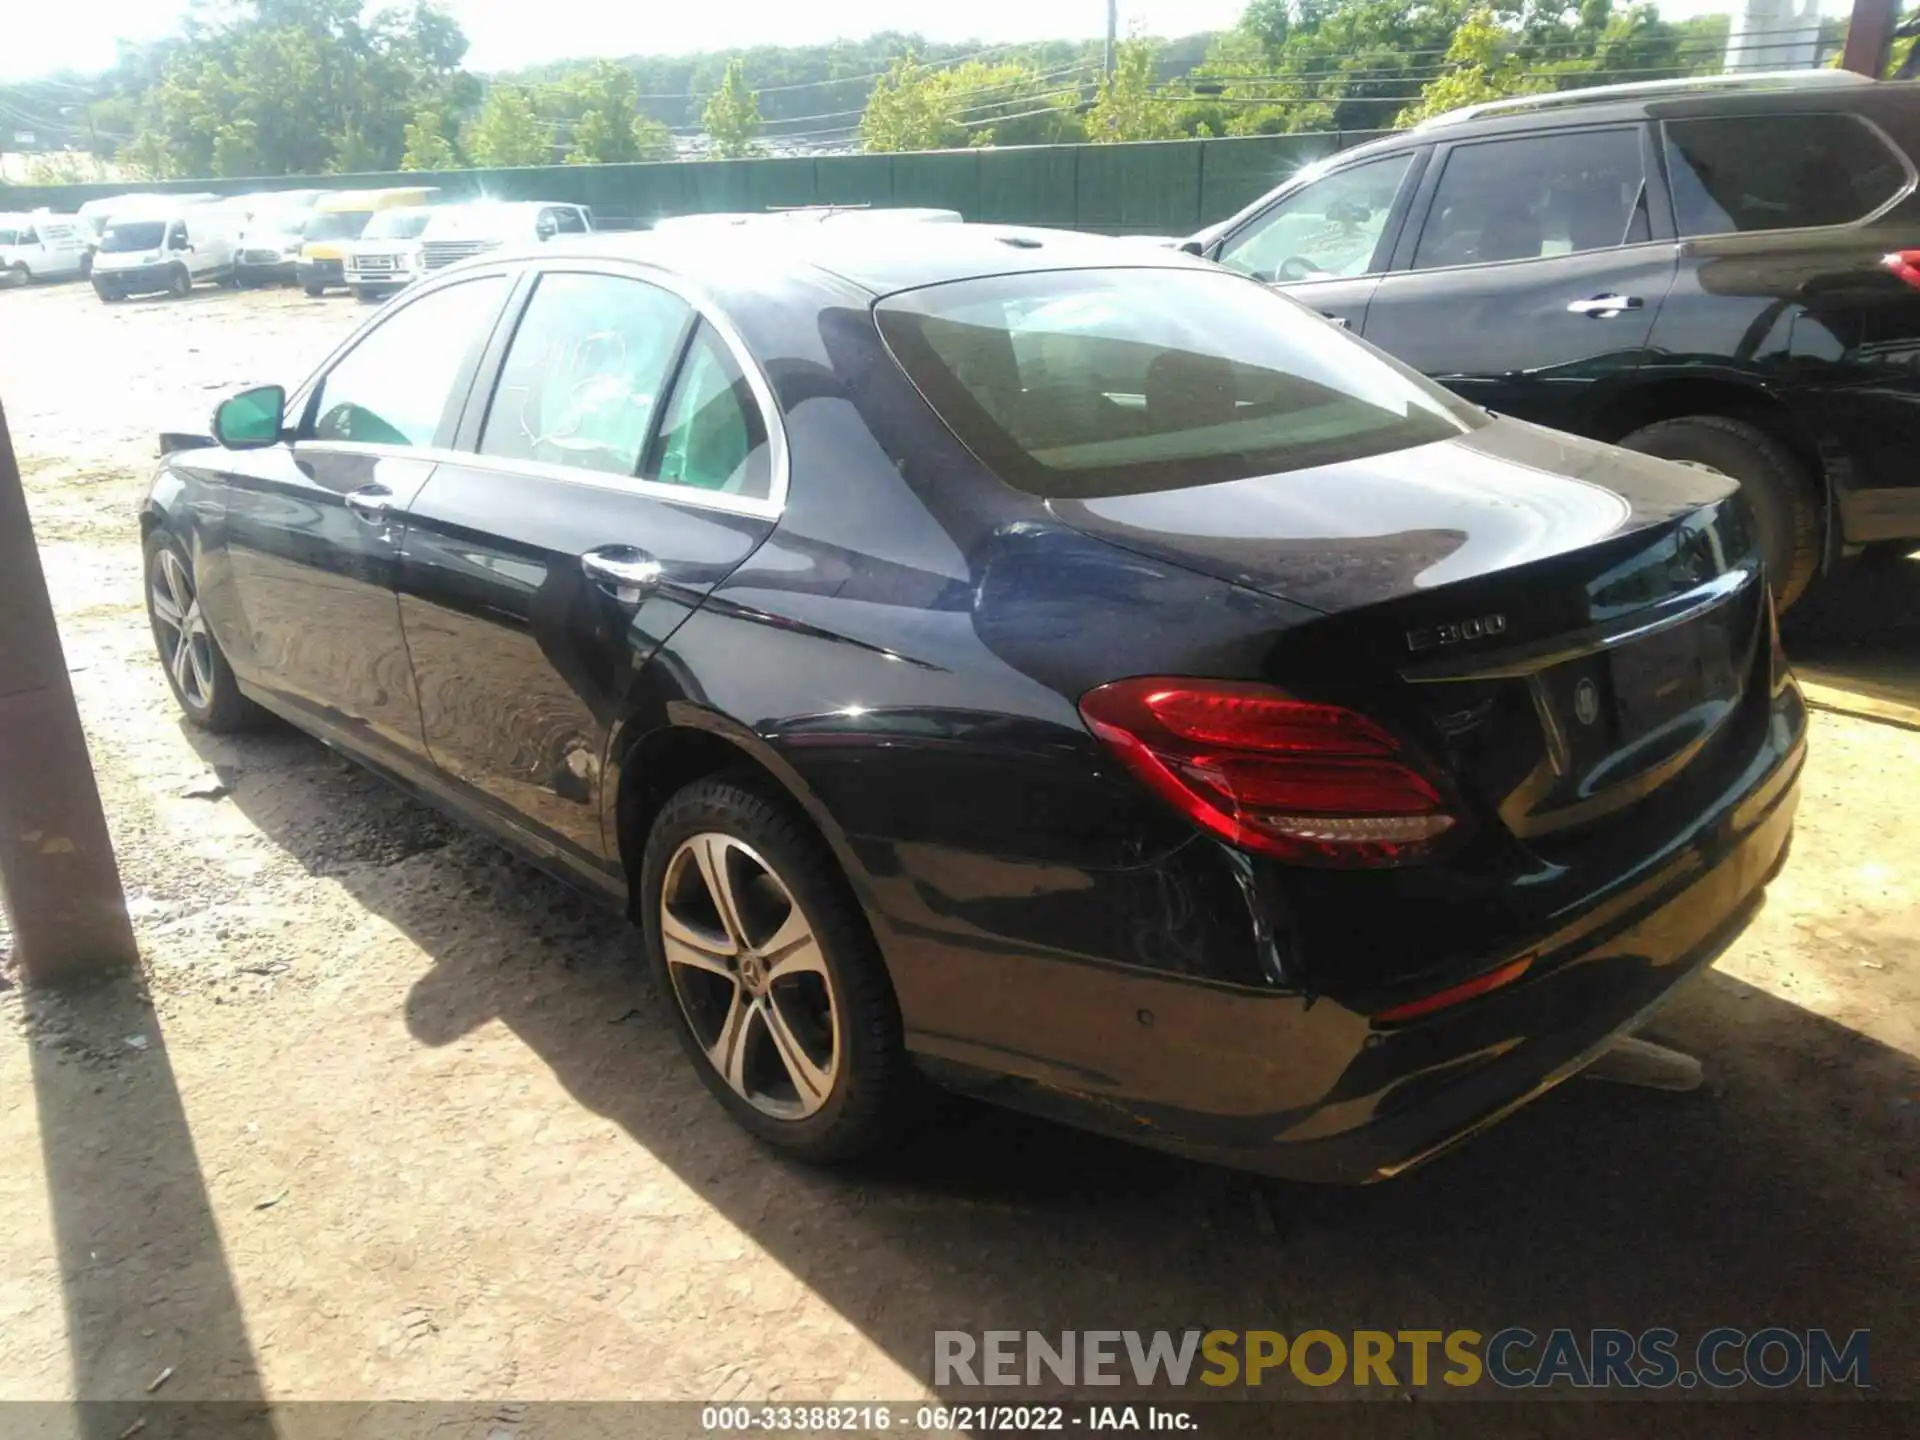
column 394, row 387
column 1328, row 229
column 1536, row 196
column 585, row 372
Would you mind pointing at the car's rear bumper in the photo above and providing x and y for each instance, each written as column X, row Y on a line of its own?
column 1303, row 1087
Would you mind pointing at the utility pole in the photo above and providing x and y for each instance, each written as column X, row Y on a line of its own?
column 59, row 884
column 1113, row 30
column 1870, row 37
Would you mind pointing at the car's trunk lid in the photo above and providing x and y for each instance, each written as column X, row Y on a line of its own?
column 1565, row 627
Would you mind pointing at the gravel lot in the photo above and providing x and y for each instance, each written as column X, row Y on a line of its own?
column 393, row 1115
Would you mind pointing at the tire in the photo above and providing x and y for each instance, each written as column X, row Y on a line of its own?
column 86, row 266
column 863, row 1087
column 179, row 282
column 18, row 277
column 1782, row 496
column 109, row 297
column 202, row 682
column 314, row 292
column 366, row 295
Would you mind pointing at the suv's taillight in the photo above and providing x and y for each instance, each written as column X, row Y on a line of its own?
column 1905, row 264
column 1311, row 783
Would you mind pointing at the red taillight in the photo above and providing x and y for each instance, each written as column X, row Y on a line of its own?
column 1319, row 784
column 1905, row 264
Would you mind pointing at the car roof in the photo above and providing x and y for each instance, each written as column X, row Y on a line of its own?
column 880, row 259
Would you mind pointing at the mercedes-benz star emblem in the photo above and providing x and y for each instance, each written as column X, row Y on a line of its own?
column 1586, row 702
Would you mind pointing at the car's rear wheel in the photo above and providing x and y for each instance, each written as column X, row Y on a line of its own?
column 314, row 291
column 17, row 276
column 777, row 990
column 179, row 282
column 198, row 673
column 1785, row 504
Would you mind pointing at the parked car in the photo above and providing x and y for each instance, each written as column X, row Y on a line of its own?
column 270, row 247
column 168, row 248
column 338, row 219
column 459, row 232
column 710, row 221
column 1711, row 271
column 387, row 254
column 1061, row 669
column 40, row 246
column 93, row 215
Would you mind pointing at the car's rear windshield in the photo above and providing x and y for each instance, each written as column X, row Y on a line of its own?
column 128, row 235
column 337, row 224
column 396, row 225
column 1074, row 384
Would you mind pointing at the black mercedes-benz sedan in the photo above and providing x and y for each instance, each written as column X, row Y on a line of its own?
column 1055, row 668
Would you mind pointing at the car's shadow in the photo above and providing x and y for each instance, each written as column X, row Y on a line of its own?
column 1783, row 1194
column 1859, row 630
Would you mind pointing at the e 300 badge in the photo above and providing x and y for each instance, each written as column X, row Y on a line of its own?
column 1453, row 632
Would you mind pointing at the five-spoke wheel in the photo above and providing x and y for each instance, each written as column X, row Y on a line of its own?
column 778, row 992
column 749, row 976
column 202, row 681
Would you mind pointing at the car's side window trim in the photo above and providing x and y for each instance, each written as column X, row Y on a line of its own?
column 304, row 400
column 1436, row 172
column 466, row 441
column 1870, row 218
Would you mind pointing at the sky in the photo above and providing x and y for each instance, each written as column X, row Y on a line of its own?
column 506, row 34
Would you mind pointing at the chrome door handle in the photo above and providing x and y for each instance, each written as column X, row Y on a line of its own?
column 370, row 502
column 1605, row 307
column 1340, row 321
column 623, row 571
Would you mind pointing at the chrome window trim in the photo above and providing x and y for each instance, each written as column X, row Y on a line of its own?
column 1870, row 218
column 535, row 470
column 779, row 468
column 705, row 308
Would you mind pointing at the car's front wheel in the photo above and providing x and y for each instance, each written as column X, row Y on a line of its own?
column 198, row 673
column 179, row 282
column 314, row 292
column 777, row 990
column 1786, row 508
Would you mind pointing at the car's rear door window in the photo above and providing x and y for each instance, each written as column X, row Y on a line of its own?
column 1535, row 196
column 1778, row 172
column 713, row 435
column 585, row 373
column 1080, row 383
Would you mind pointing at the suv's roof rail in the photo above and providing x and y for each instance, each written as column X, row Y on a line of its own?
column 1653, row 89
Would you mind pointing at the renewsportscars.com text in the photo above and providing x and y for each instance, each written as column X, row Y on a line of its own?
column 1513, row 1358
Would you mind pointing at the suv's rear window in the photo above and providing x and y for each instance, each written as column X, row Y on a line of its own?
column 1777, row 172
column 1080, row 383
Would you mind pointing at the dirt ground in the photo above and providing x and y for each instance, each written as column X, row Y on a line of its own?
column 392, row 1115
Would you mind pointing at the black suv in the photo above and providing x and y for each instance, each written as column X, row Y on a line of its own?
column 1713, row 271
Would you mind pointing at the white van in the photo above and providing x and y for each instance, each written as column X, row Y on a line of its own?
column 169, row 248
column 40, row 246
column 94, row 214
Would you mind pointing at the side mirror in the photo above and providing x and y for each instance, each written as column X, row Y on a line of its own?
column 546, row 230
column 251, row 419
column 1192, row 247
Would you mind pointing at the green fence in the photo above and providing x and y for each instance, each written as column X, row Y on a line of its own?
column 1169, row 187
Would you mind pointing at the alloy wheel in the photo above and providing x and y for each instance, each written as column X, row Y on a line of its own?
column 750, row 977
column 186, row 647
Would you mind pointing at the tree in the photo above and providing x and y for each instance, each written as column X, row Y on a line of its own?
column 1127, row 107
column 508, row 131
column 298, row 86
column 427, row 145
column 732, row 115
column 975, row 103
column 1479, row 68
column 608, row 128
